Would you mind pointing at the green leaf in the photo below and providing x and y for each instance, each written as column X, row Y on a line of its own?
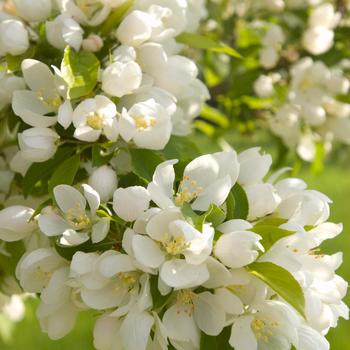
column 80, row 71
column 230, row 207
column 189, row 214
column 14, row 62
column 181, row 148
column 67, row 252
column 215, row 116
column 159, row 300
column 144, row 163
column 220, row 342
column 241, row 205
column 9, row 262
column 114, row 19
column 208, row 342
column 99, row 158
column 270, row 234
column 282, row 282
column 42, row 171
column 197, row 41
column 214, row 215
column 271, row 222
column 40, row 208
column 65, row 173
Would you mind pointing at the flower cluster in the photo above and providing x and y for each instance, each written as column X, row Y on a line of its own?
column 312, row 114
column 304, row 95
column 122, row 76
column 216, row 249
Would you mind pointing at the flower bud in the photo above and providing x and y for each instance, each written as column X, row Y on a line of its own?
column 63, row 31
column 135, row 29
column 8, row 84
column 33, row 11
column 104, row 181
column 93, row 43
column 38, row 144
column 120, row 79
column 15, row 224
column 253, row 166
column 14, row 37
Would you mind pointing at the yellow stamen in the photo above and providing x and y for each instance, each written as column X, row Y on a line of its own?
column 77, row 218
column 188, row 191
column 95, row 121
column 175, row 245
column 143, row 123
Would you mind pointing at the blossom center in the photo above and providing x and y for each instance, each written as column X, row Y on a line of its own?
column 184, row 300
column 77, row 218
column 262, row 328
column 143, row 123
column 175, row 245
column 53, row 101
column 89, row 7
column 128, row 279
column 188, row 191
column 95, row 121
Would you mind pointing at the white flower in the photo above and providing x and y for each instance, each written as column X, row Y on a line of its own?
column 14, row 38
column 305, row 207
column 121, row 78
column 14, row 308
column 57, row 313
column 95, row 117
column 309, row 339
column 8, row 84
column 35, row 268
column 87, row 12
column 273, row 325
column 135, row 29
column 74, row 222
column 269, row 57
column 38, row 144
column 104, row 181
column 263, row 200
column 263, row 86
column 237, row 246
column 131, row 202
column 63, row 31
column 253, row 166
column 15, row 223
column 169, row 238
column 33, row 11
column 191, row 313
column 43, row 98
column 93, row 43
column 147, row 123
column 169, row 17
column 207, row 180
column 105, row 281
column 318, row 40
column 324, row 15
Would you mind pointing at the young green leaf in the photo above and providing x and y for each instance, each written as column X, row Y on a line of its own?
column 270, row 234
column 144, row 162
column 213, row 215
column 241, row 205
column 158, row 299
column 282, row 282
column 80, row 72
column 65, row 173
column 67, row 252
column 197, row 41
column 43, row 171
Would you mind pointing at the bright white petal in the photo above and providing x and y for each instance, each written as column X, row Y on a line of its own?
column 178, row 273
column 147, row 252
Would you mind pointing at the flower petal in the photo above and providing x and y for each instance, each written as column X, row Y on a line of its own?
column 178, row 273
